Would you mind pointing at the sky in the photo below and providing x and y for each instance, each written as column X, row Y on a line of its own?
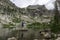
column 24, row 3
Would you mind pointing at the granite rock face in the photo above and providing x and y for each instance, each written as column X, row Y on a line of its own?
column 38, row 12
column 7, row 7
column 7, row 10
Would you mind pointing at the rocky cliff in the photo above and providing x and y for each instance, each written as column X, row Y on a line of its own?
column 32, row 13
column 7, row 11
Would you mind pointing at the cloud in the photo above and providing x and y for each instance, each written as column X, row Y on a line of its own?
column 50, row 6
column 25, row 3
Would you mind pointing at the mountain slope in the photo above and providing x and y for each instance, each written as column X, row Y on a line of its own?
column 7, row 11
column 30, row 14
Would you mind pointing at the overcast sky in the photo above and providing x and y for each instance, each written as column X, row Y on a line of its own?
column 24, row 3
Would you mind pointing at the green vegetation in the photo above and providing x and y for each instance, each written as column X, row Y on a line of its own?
column 10, row 25
column 34, row 26
column 16, row 20
column 55, row 24
column 55, row 28
column 37, row 26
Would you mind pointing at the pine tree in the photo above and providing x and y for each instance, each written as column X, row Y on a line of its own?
column 55, row 25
